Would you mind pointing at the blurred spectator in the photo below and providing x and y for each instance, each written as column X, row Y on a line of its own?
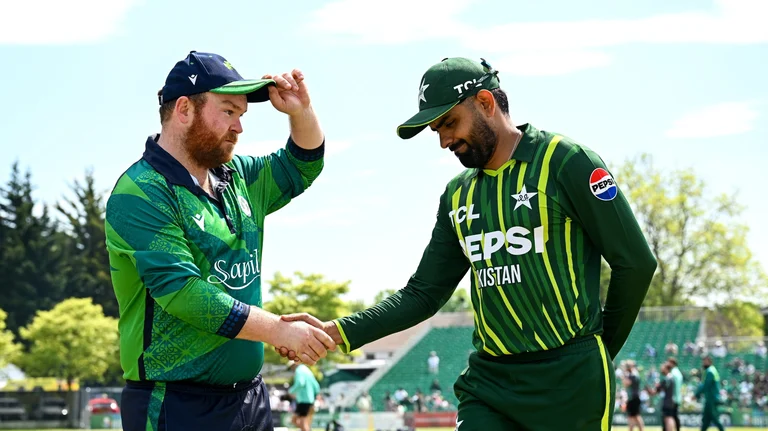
column 670, row 349
column 719, row 351
column 401, row 395
column 389, row 403
column 418, row 401
column 689, row 348
column 364, row 402
column 760, row 349
column 650, row 351
column 701, row 349
column 433, row 362
column 435, row 387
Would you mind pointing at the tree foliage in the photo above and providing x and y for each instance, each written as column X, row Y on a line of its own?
column 72, row 341
column 697, row 237
column 307, row 293
column 32, row 255
column 9, row 350
column 88, row 261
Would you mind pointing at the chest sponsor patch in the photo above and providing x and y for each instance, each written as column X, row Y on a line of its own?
column 602, row 185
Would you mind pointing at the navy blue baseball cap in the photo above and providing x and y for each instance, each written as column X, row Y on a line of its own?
column 201, row 72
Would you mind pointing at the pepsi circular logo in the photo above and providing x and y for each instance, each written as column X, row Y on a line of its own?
column 602, row 185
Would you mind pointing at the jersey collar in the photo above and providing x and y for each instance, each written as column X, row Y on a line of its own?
column 525, row 150
column 173, row 171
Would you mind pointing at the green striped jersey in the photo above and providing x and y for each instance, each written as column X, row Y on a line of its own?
column 186, row 266
column 532, row 234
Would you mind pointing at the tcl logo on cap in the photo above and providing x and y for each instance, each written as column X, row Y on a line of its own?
column 602, row 185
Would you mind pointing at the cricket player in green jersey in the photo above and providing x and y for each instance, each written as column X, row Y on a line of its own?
column 184, row 232
column 710, row 389
column 530, row 217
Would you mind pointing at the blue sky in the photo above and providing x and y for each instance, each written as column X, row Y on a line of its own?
column 683, row 81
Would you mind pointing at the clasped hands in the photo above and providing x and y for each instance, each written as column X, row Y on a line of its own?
column 308, row 339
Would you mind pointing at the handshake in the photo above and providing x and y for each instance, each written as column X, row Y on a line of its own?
column 306, row 339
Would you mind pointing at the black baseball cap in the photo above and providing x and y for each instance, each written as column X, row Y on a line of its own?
column 201, row 72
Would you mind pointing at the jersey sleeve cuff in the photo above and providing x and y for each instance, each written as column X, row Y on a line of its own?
column 345, row 348
column 235, row 321
column 304, row 154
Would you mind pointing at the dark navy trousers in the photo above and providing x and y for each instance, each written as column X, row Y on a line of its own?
column 175, row 406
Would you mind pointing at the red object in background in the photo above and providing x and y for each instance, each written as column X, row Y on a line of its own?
column 431, row 419
column 103, row 405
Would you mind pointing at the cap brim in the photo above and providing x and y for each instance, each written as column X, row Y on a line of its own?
column 254, row 89
column 418, row 122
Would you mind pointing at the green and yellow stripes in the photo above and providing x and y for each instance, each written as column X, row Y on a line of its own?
column 501, row 301
column 549, row 319
column 571, row 272
column 604, row 425
column 542, row 186
column 529, row 262
column 481, row 324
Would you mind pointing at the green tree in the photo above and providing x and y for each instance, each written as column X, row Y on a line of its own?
column 9, row 350
column 460, row 301
column 697, row 237
column 307, row 293
column 356, row 305
column 382, row 295
column 88, row 261
column 736, row 319
column 31, row 252
column 72, row 341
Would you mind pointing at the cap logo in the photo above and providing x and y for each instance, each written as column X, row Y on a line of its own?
column 423, row 87
column 228, row 65
column 465, row 86
column 193, row 78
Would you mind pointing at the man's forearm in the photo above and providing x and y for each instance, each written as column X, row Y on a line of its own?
column 261, row 325
column 404, row 309
column 305, row 129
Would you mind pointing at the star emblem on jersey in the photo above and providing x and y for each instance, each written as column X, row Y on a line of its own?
column 523, row 198
column 424, row 86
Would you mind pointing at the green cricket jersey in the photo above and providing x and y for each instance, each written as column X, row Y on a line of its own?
column 532, row 232
column 186, row 266
column 305, row 387
column 710, row 387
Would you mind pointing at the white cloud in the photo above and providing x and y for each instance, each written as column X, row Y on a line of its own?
column 717, row 120
column 534, row 48
column 388, row 22
column 732, row 21
column 543, row 63
column 34, row 22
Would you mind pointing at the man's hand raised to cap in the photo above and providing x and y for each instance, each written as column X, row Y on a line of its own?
column 289, row 95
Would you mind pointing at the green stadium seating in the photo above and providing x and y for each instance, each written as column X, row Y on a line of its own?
column 451, row 344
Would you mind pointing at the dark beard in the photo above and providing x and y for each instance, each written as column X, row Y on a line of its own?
column 481, row 146
column 206, row 148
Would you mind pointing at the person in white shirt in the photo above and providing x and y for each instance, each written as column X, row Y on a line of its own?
column 433, row 362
